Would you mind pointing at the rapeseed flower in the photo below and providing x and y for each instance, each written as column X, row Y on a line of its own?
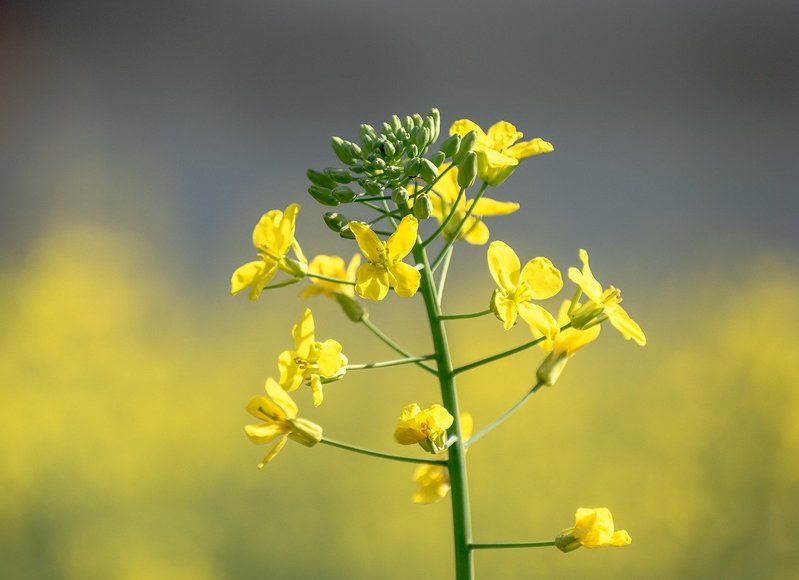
column 278, row 411
column 601, row 304
column 562, row 346
column 498, row 152
column 433, row 480
column 272, row 237
column 311, row 361
column 539, row 279
column 426, row 427
column 385, row 266
column 593, row 528
column 332, row 267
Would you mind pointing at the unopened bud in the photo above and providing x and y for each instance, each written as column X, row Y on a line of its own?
column 466, row 146
column 422, row 207
column 420, row 137
column 417, row 120
column 549, row 371
column 338, row 175
column 400, row 196
column 412, row 150
column 450, row 145
column 342, row 151
column 320, row 179
column 304, row 431
column 323, row 195
column 438, row 158
column 435, row 115
column 371, row 187
column 467, row 170
column 412, row 167
column 335, row 221
column 427, row 170
column 351, row 307
column 344, row 194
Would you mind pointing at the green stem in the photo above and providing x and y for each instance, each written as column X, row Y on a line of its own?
column 374, row 198
column 282, row 284
column 503, row 417
column 457, row 232
column 456, row 462
column 373, row 453
column 469, row 315
column 393, row 345
column 330, row 279
column 447, row 219
column 492, row 358
column 500, row 545
column 442, row 279
column 389, row 363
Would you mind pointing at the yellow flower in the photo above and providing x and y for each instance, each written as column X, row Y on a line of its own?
column 593, row 528
column 279, row 413
column 474, row 231
column 428, row 428
column 562, row 346
column 433, row 480
column 272, row 237
column 333, row 267
column 538, row 280
column 602, row 303
column 498, row 154
column 385, row 265
column 312, row 361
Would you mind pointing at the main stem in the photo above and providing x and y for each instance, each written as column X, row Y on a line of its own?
column 459, row 491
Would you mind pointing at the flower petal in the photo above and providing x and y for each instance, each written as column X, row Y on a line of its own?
column 316, row 390
column 263, row 408
column 273, row 452
column 372, row 282
column 585, row 279
column 475, row 232
column 329, row 358
column 370, row 244
column 622, row 322
column 404, row 278
column 401, row 242
column 504, row 265
column 265, row 432
column 255, row 275
column 542, row 278
column 303, row 333
column 503, row 134
column 539, row 318
column 291, row 374
column 529, row 148
column 506, row 309
column 463, row 126
column 488, row 207
column 281, row 398
column 447, row 185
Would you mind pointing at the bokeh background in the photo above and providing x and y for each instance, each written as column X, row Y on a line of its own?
column 140, row 142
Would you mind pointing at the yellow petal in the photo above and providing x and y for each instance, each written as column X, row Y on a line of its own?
column 503, row 263
column 475, row 232
column 286, row 231
column 439, row 417
column 542, row 278
column 265, row 432
column 433, row 482
column 463, row 126
column 467, row 425
column 281, row 398
column 489, row 207
column 316, row 390
column 529, row 148
column 273, row 452
column 585, row 279
column 447, row 185
column 255, row 275
column 571, row 340
column 494, row 167
column 329, row 358
column 622, row 322
column 291, row 374
column 401, row 242
column 538, row 317
column 370, row 244
column 506, row 310
column 404, row 278
column 372, row 282
column 265, row 409
column 503, row 134
column 303, row 333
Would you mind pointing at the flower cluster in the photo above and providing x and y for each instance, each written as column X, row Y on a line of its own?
column 397, row 175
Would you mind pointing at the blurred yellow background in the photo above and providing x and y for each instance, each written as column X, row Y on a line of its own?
column 139, row 144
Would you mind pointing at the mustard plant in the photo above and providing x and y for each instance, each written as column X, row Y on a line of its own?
column 397, row 174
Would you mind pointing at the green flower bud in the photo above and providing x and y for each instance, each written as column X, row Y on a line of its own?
column 550, row 370
column 305, row 431
column 450, row 145
column 344, row 194
column 346, row 233
column 371, row 187
column 379, row 164
column 465, row 147
column 323, row 195
column 367, row 133
column 412, row 151
column 358, row 168
column 396, row 124
column 403, row 135
column 386, row 129
column 467, row 170
column 294, row 267
column 320, row 179
column 436, row 116
column 388, row 149
column 438, row 158
column 338, row 175
column 430, row 127
column 566, row 543
column 417, row 120
column 412, row 167
column 351, row 307
column 427, row 170
column 342, row 151
column 422, row 207
column 420, row 137
column 408, row 124
column 335, row 221
column 400, row 196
